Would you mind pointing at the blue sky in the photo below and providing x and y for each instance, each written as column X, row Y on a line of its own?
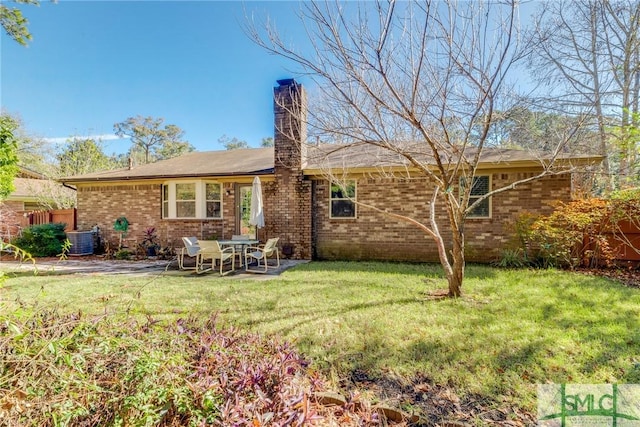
column 94, row 63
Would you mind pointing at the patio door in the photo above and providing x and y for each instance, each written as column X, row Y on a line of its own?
column 243, row 209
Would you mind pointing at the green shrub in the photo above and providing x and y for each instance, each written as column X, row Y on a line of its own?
column 42, row 240
column 122, row 254
column 518, row 250
column 512, row 258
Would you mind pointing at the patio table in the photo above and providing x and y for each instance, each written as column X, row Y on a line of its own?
column 243, row 243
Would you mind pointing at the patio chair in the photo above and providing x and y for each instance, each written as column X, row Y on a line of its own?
column 190, row 249
column 211, row 250
column 260, row 255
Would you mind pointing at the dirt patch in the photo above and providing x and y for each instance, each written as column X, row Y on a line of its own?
column 438, row 294
column 437, row 405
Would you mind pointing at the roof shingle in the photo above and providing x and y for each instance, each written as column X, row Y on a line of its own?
column 260, row 161
column 249, row 161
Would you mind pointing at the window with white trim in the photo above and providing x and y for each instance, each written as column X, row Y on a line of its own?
column 213, row 194
column 481, row 186
column 192, row 199
column 165, row 201
column 186, row 200
column 342, row 200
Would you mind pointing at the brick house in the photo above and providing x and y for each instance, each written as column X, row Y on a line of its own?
column 205, row 194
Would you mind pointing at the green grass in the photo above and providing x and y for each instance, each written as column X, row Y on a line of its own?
column 511, row 330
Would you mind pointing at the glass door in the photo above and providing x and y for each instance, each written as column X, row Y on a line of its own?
column 243, row 212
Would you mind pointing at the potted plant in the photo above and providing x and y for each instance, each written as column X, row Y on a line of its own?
column 150, row 241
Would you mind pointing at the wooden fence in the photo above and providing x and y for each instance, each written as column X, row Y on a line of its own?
column 66, row 216
column 626, row 241
column 623, row 238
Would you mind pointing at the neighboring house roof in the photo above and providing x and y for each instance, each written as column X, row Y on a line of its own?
column 30, row 189
column 26, row 188
column 260, row 161
column 32, row 186
column 24, row 172
column 247, row 161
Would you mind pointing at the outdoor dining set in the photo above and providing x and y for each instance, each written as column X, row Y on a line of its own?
column 222, row 254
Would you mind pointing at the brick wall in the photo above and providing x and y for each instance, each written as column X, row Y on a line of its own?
column 141, row 203
column 291, row 215
column 373, row 235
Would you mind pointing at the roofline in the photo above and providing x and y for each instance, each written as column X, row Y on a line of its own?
column 270, row 171
column 21, row 198
column 518, row 164
column 35, row 174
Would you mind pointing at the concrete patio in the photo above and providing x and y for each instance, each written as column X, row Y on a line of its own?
column 95, row 265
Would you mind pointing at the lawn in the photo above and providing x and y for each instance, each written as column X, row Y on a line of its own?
column 374, row 323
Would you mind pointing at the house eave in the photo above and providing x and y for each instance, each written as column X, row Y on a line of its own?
column 22, row 198
column 565, row 163
column 81, row 180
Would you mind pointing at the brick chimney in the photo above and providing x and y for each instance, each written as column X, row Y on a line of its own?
column 290, row 124
column 291, row 192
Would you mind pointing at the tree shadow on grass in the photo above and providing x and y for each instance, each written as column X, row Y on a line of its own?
column 605, row 318
column 476, row 271
column 270, row 316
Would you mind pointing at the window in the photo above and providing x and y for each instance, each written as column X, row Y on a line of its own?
column 186, row 200
column 213, row 200
column 481, row 186
column 342, row 200
column 165, row 201
column 199, row 199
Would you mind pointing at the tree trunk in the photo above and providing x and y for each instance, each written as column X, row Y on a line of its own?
column 597, row 92
column 457, row 269
column 454, row 277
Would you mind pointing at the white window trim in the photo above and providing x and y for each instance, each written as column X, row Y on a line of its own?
column 355, row 205
column 201, row 200
column 489, row 199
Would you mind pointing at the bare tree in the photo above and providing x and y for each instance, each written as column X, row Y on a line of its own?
column 51, row 194
column 416, row 83
column 621, row 25
column 587, row 53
